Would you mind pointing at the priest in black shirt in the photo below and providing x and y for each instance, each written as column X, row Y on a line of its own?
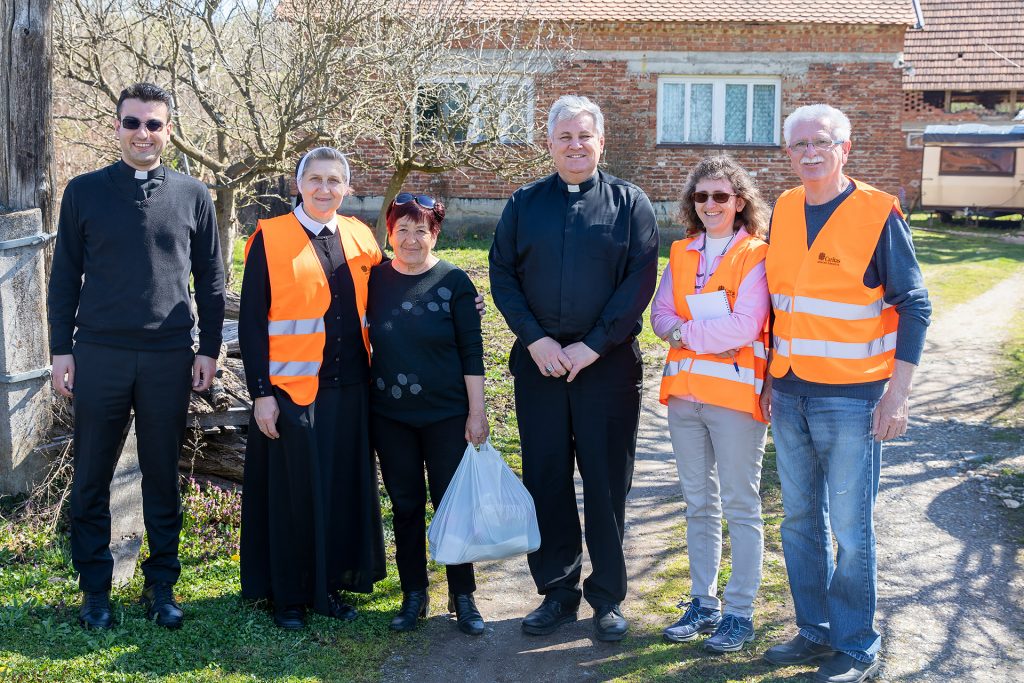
column 135, row 231
column 572, row 268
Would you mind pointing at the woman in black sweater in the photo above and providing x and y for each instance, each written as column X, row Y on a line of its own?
column 426, row 393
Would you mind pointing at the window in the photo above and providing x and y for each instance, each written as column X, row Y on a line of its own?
column 475, row 110
column 725, row 110
column 977, row 161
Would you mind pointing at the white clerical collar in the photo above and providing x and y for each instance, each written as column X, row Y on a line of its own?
column 141, row 175
column 312, row 225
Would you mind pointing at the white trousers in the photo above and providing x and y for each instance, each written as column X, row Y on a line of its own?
column 718, row 455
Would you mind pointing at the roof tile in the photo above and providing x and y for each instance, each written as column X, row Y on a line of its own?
column 976, row 45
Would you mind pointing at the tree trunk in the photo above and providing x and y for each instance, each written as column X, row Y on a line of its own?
column 227, row 229
column 26, row 184
column 394, row 187
column 26, row 158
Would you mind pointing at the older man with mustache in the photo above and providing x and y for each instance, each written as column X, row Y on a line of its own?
column 850, row 315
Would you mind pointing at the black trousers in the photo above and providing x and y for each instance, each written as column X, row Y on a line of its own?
column 109, row 384
column 592, row 423
column 403, row 450
column 311, row 521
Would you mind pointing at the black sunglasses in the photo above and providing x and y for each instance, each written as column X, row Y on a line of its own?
column 719, row 197
column 424, row 200
column 133, row 123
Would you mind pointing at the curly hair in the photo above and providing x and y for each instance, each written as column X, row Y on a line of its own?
column 753, row 217
column 433, row 217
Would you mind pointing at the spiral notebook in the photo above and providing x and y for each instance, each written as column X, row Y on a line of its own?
column 709, row 305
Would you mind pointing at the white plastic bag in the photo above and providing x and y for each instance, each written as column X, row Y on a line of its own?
column 486, row 513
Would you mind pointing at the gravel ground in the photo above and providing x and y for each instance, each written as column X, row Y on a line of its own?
column 951, row 583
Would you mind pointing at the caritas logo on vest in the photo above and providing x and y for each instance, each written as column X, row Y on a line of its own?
column 827, row 260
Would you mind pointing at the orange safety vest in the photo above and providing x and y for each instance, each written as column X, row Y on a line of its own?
column 300, row 295
column 830, row 328
column 707, row 378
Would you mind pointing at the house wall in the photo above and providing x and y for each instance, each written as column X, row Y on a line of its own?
column 619, row 64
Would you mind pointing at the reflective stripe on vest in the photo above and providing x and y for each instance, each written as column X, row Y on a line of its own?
column 300, row 295
column 726, row 371
column 709, row 379
column 294, row 368
column 832, row 349
column 304, row 326
column 827, row 309
column 829, row 328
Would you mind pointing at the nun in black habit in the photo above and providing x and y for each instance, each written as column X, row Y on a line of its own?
column 311, row 523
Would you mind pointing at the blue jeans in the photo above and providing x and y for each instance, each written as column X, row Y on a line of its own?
column 829, row 465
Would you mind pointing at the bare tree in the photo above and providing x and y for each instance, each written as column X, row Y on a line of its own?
column 464, row 99
column 257, row 82
column 252, row 88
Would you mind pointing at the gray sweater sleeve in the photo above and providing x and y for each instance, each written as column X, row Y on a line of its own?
column 895, row 267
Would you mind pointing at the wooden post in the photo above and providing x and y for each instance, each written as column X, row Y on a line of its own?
column 26, row 219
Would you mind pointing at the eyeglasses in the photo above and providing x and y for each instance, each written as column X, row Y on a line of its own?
column 133, row 123
column 424, row 200
column 820, row 144
column 719, row 197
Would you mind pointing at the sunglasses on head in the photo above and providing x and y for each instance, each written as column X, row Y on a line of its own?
column 133, row 123
column 719, row 197
column 424, row 200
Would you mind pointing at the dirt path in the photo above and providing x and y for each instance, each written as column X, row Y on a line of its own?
column 951, row 582
column 505, row 591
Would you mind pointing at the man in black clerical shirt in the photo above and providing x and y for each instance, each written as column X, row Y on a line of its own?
column 572, row 267
column 121, row 321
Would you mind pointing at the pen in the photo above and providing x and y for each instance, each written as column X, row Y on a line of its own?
column 734, row 365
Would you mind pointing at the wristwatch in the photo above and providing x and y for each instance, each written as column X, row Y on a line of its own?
column 677, row 334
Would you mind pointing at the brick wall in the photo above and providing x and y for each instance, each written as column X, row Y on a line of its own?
column 866, row 87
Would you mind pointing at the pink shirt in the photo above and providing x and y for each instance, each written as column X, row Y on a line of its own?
column 737, row 329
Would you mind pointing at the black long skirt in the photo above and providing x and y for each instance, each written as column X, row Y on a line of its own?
column 311, row 519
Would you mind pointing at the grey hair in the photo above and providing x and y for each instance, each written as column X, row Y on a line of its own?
column 571, row 106
column 839, row 124
column 324, row 154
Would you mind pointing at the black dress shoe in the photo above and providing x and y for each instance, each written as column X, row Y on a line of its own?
column 339, row 609
column 466, row 613
column 290, row 617
column 95, row 612
column 549, row 616
column 160, row 605
column 842, row 668
column 609, row 624
column 414, row 607
column 797, row 651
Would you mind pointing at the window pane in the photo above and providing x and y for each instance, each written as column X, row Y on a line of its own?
column 700, row 112
column 673, row 99
column 976, row 161
column 456, row 111
column 735, row 113
column 764, row 114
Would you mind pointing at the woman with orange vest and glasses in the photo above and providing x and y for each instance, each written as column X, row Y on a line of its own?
column 712, row 307
column 311, row 524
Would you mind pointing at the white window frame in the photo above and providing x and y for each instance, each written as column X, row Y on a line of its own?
column 718, row 108
column 474, row 83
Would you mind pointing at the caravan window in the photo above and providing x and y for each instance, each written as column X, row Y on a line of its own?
column 977, row 161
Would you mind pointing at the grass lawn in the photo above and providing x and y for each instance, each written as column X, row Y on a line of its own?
column 958, row 268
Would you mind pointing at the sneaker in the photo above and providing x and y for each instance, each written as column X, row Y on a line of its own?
column 695, row 621
column 732, row 634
